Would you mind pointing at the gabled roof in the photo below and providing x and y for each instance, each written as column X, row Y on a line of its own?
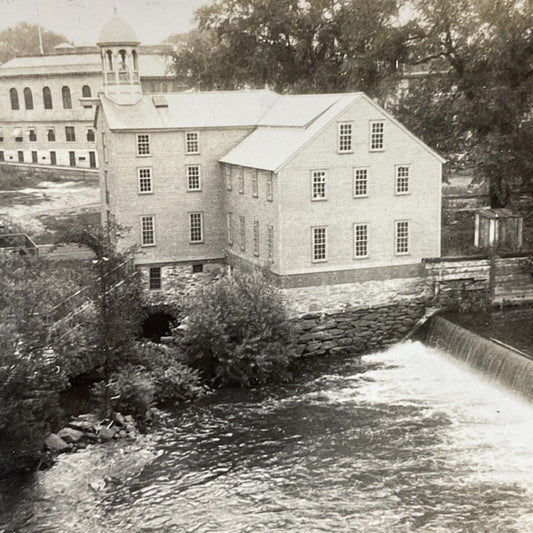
column 150, row 65
column 270, row 148
column 216, row 109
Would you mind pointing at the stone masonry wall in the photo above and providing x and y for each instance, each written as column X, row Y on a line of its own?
column 179, row 282
column 355, row 331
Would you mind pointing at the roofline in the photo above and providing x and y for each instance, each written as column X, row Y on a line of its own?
column 405, row 130
column 356, row 96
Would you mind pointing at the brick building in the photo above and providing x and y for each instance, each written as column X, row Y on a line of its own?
column 45, row 117
column 324, row 190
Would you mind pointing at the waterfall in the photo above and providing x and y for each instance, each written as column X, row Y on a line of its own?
column 498, row 363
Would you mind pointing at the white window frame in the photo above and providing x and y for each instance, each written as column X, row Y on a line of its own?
column 229, row 228
column 140, row 179
column 191, row 228
column 256, row 237
column 255, row 183
column 315, row 244
column 319, row 185
column 373, row 136
column 229, row 178
column 402, row 179
column 357, row 181
column 189, row 142
column 30, row 131
column 357, row 241
column 48, row 130
column 150, row 278
column 241, row 180
column 406, row 237
column 87, row 134
column 342, row 137
column 189, row 177
column 142, row 219
column 72, row 131
column 242, row 233
column 146, row 144
column 270, row 187
column 270, row 242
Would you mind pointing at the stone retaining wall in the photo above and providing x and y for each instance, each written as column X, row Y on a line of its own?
column 355, row 331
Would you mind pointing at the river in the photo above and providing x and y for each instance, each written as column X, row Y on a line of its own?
column 398, row 441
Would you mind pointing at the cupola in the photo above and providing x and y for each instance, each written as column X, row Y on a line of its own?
column 120, row 64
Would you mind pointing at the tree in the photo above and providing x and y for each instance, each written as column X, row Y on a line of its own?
column 480, row 104
column 23, row 39
column 238, row 332
column 290, row 45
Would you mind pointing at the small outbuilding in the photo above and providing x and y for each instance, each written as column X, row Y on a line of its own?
column 498, row 228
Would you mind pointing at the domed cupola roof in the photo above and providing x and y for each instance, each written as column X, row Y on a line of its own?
column 116, row 31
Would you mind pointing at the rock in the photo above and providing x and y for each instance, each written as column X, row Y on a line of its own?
column 105, row 434
column 56, row 444
column 70, row 435
column 328, row 345
column 120, row 420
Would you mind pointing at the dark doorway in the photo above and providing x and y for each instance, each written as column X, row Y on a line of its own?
column 158, row 325
column 92, row 159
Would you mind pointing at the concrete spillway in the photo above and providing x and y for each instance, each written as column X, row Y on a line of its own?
column 501, row 364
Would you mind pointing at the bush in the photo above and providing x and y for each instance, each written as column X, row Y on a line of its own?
column 238, row 332
column 158, row 377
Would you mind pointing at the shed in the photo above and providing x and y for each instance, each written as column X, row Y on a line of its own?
column 499, row 228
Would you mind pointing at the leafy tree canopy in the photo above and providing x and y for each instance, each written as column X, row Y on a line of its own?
column 23, row 39
column 293, row 45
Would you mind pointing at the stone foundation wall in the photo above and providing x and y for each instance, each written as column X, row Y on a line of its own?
column 363, row 295
column 179, row 282
column 355, row 331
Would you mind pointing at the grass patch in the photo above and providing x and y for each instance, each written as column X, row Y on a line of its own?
column 12, row 179
column 58, row 224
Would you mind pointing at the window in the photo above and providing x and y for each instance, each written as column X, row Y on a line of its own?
column 86, row 91
column 193, row 178
column 14, row 96
column 90, row 135
column 241, row 181
column 109, row 55
column 195, row 227
column 192, row 142
column 319, row 244
column 122, row 60
column 229, row 184
column 28, row 98
column 360, row 232
column 256, row 238
column 145, row 180
column 255, row 183
column 376, row 135
column 402, row 237
column 155, row 278
column 67, row 100
column 143, row 144
column 70, row 133
column 51, row 134
column 34, row 156
column 270, row 242
column 198, row 269
column 229, row 227
column 17, row 134
column 360, row 182
column 72, row 159
column 134, row 57
column 32, row 134
column 147, row 230
column 242, row 233
column 47, row 98
column 402, row 179
column 318, row 185
column 1, row 155
column 53, row 158
column 1, row 135
column 345, row 137
column 20, row 155
column 270, row 188
column 104, row 147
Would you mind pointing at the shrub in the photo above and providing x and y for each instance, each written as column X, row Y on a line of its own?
column 238, row 332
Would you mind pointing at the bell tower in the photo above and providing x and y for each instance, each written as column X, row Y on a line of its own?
column 120, row 61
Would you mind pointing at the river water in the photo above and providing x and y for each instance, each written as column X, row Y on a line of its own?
column 397, row 441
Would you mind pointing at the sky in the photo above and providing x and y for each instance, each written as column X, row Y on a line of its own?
column 80, row 20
